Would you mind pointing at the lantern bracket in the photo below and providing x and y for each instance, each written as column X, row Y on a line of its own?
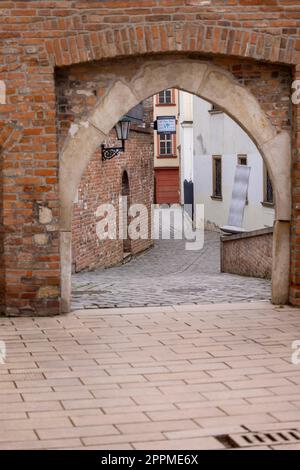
column 122, row 129
column 110, row 152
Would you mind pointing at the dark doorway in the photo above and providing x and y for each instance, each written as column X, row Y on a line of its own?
column 126, row 193
column 188, row 188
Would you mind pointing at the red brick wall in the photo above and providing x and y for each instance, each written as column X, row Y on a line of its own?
column 248, row 254
column 37, row 36
column 272, row 16
column 102, row 183
column 77, row 90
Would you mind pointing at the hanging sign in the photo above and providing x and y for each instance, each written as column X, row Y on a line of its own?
column 166, row 124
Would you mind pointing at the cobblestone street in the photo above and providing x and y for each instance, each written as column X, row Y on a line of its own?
column 167, row 274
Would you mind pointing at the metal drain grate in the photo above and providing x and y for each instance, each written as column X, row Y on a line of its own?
column 249, row 439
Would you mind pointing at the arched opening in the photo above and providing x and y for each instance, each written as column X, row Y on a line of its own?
column 209, row 83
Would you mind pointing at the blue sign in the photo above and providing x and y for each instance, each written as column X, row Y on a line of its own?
column 166, row 124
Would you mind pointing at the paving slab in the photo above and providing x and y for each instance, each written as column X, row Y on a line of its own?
column 150, row 379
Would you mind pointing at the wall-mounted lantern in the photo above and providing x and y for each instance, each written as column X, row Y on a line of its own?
column 122, row 131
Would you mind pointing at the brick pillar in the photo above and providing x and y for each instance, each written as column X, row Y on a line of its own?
column 295, row 229
column 30, row 215
column 2, row 280
column 9, row 134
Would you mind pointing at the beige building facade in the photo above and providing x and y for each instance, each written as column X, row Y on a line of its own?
column 166, row 149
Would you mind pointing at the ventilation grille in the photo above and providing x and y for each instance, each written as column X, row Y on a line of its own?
column 249, row 439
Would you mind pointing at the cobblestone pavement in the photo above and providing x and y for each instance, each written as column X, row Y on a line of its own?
column 152, row 378
column 167, row 274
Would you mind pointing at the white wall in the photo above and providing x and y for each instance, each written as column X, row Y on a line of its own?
column 186, row 138
column 217, row 134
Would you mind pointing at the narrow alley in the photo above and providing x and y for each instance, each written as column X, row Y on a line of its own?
column 167, row 274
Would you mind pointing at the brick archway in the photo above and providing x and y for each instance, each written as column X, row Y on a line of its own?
column 207, row 81
column 86, row 34
column 170, row 37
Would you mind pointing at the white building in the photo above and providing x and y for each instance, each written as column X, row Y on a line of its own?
column 211, row 145
column 186, row 143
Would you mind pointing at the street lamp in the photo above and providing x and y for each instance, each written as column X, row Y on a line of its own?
column 122, row 131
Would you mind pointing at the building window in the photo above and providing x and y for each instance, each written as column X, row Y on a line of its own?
column 166, row 97
column 242, row 160
column 217, row 177
column 268, row 189
column 165, row 145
